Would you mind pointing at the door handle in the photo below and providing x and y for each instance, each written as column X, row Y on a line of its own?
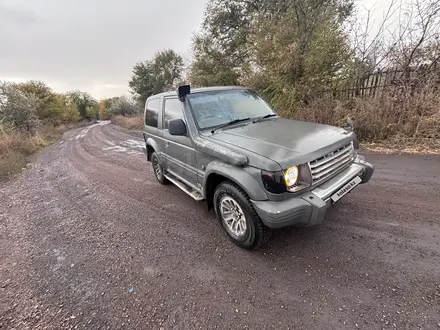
column 167, row 144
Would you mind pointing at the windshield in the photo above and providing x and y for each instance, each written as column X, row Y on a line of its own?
column 213, row 109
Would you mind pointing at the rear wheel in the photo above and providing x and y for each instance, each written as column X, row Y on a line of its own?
column 158, row 169
column 238, row 217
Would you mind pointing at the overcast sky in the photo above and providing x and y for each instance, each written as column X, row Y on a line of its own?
column 92, row 45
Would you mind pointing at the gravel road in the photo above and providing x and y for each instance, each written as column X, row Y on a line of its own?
column 90, row 240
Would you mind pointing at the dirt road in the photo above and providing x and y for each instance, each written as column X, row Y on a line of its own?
column 90, row 240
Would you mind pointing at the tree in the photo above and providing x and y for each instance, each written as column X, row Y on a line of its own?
column 85, row 103
column 156, row 75
column 125, row 107
column 44, row 97
column 16, row 108
column 50, row 106
column 288, row 49
column 300, row 52
column 102, row 110
column 417, row 42
column 69, row 109
column 107, row 107
column 220, row 51
column 211, row 67
column 37, row 88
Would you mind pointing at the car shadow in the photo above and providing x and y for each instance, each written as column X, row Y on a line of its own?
column 284, row 242
column 314, row 239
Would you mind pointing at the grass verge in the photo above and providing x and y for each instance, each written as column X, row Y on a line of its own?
column 16, row 147
column 404, row 146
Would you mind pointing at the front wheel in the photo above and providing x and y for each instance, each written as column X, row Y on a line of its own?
column 238, row 217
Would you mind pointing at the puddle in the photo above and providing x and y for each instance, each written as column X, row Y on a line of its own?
column 133, row 147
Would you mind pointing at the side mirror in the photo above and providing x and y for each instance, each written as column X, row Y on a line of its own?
column 176, row 127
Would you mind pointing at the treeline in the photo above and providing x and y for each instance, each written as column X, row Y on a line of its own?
column 295, row 51
column 32, row 115
column 27, row 105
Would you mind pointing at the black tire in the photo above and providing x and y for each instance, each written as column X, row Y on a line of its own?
column 157, row 169
column 256, row 233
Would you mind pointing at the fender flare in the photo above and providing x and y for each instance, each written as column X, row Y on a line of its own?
column 236, row 174
column 149, row 142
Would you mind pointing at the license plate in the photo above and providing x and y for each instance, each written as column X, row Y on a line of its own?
column 346, row 189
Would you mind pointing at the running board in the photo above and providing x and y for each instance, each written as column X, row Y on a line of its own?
column 186, row 189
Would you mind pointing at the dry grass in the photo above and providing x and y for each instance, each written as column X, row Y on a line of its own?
column 134, row 122
column 400, row 146
column 393, row 118
column 11, row 164
column 16, row 147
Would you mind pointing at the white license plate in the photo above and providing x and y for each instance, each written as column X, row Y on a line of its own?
column 345, row 189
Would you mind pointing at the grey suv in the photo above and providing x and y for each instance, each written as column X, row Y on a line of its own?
column 227, row 146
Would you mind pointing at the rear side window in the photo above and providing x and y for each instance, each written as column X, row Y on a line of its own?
column 172, row 110
column 152, row 112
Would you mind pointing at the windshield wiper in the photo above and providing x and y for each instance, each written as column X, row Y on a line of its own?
column 232, row 122
column 264, row 117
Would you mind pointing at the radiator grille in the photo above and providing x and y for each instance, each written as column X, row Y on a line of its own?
column 327, row 166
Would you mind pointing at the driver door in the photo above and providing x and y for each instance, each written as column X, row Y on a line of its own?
column 179, row 150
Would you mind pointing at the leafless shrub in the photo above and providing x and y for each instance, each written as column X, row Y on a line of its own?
column 393, row 115
column 134, row 122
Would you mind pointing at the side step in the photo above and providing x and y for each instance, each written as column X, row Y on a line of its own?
column 187, row 189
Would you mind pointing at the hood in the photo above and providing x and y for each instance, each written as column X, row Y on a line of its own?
column 285, row 141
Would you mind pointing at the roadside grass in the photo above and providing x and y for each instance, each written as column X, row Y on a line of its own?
column 11, row 164
column 404, row 146
column 395, row 121
column 16, row 147
column 129, row 122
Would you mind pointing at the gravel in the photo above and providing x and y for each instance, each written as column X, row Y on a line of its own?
column 90, row 240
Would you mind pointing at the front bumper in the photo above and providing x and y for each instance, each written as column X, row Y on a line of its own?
column 309, row 209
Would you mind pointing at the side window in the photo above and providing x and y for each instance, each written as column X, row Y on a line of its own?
column 151, row 112
column 172, row 110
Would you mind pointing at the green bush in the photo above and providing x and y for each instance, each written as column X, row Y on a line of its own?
column 16, row 108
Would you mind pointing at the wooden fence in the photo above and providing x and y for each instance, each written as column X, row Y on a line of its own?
column 374, row 84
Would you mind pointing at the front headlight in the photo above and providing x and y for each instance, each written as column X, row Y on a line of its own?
column 294, row 179
column 291, row 176
column 297, row 178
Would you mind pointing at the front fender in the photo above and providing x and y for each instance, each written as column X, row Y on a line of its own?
column 238, row 175
column 217, row 151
